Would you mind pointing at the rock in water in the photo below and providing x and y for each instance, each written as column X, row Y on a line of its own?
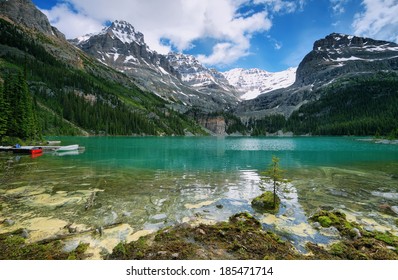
column 25, row 234
column 9, row 222
column 265, row 202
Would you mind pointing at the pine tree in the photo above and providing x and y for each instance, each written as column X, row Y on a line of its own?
column 22, row 121
column 3, row 112
column 275, row 173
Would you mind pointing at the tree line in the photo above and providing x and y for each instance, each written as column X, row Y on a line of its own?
column 17, row 114
column 355, row 106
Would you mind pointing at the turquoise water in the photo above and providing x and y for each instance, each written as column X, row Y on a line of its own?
column 152, row 182
column 227, row 154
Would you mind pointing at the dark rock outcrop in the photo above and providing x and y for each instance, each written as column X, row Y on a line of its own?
column 338, row 54
column 24, row 12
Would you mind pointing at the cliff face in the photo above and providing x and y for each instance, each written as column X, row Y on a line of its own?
column 216, row 125
column 24, row 12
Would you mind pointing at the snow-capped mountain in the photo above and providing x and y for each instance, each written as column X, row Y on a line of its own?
column 176, row 77
column 253, row 82
column 333, row 58
column 340, row 54
column 193, row 73
column 121, row 47
column 123, row 30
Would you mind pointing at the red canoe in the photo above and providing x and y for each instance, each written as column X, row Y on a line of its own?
column 36, row 151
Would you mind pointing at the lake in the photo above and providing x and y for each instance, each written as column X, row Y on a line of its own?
column 141, row 184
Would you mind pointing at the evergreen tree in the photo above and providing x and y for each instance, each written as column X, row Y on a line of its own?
column 275, row 173
column 22, row 121
column 3, row 113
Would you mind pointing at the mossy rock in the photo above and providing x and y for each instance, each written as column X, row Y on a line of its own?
column 242, row 237
column 245, row 220
column 265, row 203
column 338, row 220
column 14, row 247
column 325, row 221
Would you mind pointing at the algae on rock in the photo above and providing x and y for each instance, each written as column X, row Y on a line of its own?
column 267, row 202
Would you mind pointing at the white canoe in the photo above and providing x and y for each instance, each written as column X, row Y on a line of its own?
column 68, row 148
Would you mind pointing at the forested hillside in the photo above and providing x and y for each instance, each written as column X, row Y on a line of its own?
column 64, row 93
column 360, row 105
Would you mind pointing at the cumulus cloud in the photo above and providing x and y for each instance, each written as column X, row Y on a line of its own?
column 378, row 20
column 71, row 23
column 178, row 22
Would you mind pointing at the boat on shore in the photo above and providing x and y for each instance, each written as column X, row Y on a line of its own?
column 26, row 150
column 35, row 150
column 53, row 142
column 67, row 148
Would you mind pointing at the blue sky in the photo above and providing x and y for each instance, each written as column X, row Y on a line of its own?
column 267, row 34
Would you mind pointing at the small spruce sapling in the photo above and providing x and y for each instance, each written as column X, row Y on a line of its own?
column 275, row 173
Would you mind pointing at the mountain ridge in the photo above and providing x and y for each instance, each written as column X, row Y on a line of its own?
column 169, row 76
column 333, row 58
column 180, row 70
column 115, row 67
column 254, row 82
column 78, row 88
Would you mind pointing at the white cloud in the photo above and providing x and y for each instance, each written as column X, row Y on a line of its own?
column 378, row 20
column 70, row 23
column 338, row 6
column 180, row 22
column 282, row 6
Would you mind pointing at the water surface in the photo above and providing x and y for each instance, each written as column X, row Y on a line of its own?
column 147, row 183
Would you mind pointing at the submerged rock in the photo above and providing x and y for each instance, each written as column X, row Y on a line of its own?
column 9, row 222
column 25, row 234
column 394, row 209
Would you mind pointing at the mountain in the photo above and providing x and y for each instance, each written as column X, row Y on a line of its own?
column 338, row 55
column 253, row 82
column 24, row 12
column 332, row 59
column 178, row 78
column 345, row 85
column 73, row 92
column 114, row 84
column 194, row 74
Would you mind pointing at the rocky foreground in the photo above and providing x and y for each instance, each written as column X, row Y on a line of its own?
column 241, row 238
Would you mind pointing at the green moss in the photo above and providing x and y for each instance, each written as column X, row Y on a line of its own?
column 242, row 237
column 338, row 249
column 120, row 251
column 325, row 221
column 387, row 238
column 338, row 220
column 13, row 247
column 244, row 221
column 265, row 202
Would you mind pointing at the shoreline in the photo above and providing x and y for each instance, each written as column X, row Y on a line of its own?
column 241, row 237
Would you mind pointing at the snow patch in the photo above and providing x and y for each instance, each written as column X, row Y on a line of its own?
column 253, row 82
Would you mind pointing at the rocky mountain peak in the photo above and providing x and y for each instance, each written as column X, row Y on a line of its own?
column 337, row 40
column 125, row 32
column 193, row 73
column 253, row 82
column 24, row 12
column 339, row 54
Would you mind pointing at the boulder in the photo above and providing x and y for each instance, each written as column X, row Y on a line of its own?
column 265, row 203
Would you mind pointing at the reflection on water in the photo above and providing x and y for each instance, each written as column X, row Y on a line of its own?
column 143, row 184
